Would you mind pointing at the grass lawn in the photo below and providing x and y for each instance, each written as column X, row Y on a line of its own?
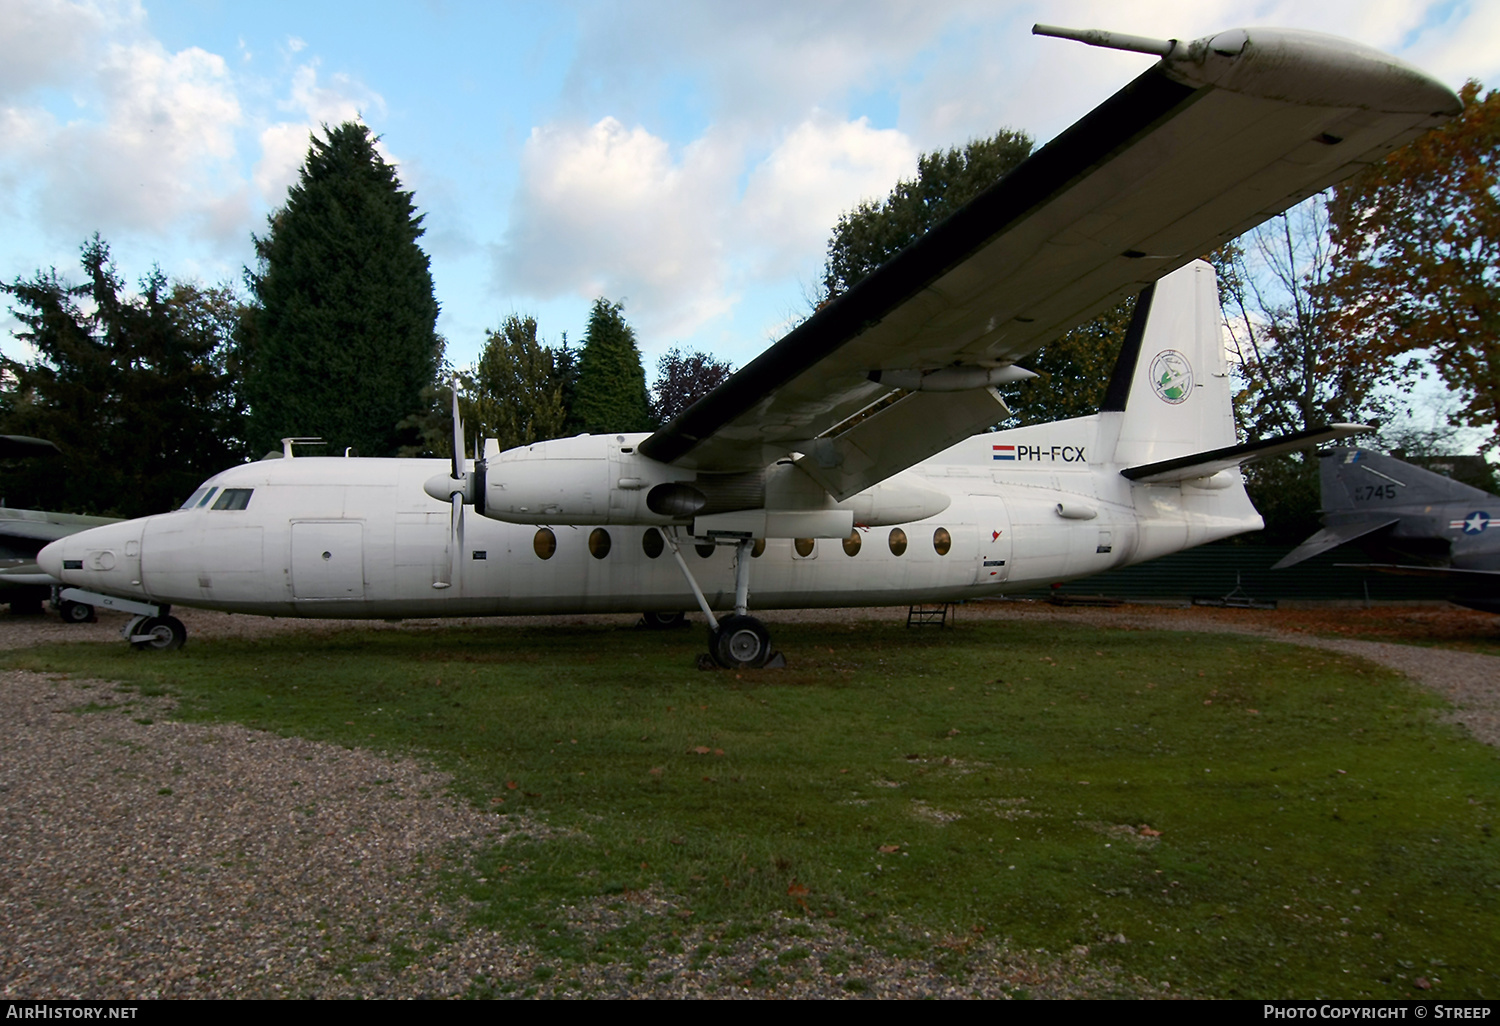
column 1236, row 817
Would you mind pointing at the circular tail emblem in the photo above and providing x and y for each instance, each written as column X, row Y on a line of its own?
column 1171, row 376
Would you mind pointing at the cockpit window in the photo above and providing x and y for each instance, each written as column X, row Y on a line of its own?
column 200, row 498
column 234, row 498
column 192, row 500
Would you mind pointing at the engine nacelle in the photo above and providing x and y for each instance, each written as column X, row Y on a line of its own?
column 587, row 479
column 601, row 479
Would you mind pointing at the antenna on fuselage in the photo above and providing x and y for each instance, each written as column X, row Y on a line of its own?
column 287, row 443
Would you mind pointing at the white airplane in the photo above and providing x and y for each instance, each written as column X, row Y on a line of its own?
column 845, row 465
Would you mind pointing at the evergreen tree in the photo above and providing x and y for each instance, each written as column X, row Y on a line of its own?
column 514, row 392
column 611, row 390
column 136, row 391
column 872, row 233
column 344, row 339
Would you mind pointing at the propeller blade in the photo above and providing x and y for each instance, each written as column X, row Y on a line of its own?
column 458, row 437
column 456, row 539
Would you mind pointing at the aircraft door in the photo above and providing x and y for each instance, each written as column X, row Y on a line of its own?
column 993, row 565
column 328, row 560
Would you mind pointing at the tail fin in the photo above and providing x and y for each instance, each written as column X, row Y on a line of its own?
column 1358, row 479
column 1170, row 391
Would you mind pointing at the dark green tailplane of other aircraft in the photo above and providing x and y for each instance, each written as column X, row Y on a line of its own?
column 1409, row 521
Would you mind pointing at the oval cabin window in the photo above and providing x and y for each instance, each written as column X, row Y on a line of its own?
column 851, row 543
column 758, row 549
column 598, row 543
column 942, row 541
column 545, row 543
column 652, row 543
column 704, row 549
column 898, row 541
column 804, row 547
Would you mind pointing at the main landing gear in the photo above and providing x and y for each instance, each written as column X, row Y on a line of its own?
column 739, row 641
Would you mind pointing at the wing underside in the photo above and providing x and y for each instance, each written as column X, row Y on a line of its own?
column 1209, row 142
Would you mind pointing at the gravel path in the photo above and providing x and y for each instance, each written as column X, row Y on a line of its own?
column 144, row 858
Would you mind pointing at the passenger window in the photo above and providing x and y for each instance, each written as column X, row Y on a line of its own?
column 942, row 541
column 851, row 543
column 652, row 543
column 599, row 543
column 898, row 541
column 545, row 543
column 234, row 498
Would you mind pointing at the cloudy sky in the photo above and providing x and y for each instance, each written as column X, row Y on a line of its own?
column 686, row 158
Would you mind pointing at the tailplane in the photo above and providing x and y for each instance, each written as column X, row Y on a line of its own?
column 1171, row 391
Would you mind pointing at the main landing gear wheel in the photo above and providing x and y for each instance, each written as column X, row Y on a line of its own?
column 741, row 642
column 158, row 634
column 76, row 612
column 663, row 621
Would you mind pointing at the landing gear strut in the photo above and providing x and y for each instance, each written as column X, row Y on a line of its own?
column 739, row 641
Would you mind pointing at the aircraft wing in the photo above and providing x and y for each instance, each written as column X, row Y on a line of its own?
column 1332, row 537
column 1215, row 138
column 1449, row 572
column 25, row 531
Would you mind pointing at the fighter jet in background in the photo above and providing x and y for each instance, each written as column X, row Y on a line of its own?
column 1410, row 521
column 23, row 532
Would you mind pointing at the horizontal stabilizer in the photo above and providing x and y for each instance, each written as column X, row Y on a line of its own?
column 1206, row 464
column 1451, row 573
column 1332, row 537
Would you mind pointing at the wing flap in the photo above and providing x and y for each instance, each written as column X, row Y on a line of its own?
column 918, row 425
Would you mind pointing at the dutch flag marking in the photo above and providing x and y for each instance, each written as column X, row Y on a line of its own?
column 1005, row 452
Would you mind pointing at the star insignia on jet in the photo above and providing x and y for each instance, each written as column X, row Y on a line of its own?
column 1475, row 522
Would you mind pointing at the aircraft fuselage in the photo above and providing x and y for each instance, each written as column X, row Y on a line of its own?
column 359, row 538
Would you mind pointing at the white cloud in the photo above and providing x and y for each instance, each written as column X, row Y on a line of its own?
column 45, row 42
column 823, row 167
column 605, row 210
column 156, row 154
column 609, row 210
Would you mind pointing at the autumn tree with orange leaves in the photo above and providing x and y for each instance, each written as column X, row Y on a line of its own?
column 1417, row 255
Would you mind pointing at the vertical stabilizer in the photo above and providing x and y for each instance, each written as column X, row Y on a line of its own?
column 1170, row 390
column 1356, row 479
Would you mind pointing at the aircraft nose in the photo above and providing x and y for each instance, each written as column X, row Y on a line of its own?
column 50, row 559
column 102, row 558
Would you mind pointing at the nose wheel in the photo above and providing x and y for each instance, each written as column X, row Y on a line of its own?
column 156, row 633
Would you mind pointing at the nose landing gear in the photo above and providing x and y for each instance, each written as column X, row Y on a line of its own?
column 155, row 633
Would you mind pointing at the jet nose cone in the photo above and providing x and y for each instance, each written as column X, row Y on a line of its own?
column 50, row 559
